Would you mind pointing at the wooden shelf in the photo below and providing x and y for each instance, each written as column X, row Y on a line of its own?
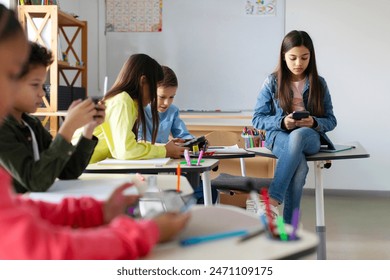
column 45, row 24
column 66, row 65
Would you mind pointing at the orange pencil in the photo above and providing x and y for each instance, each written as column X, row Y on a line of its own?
column 178, row 172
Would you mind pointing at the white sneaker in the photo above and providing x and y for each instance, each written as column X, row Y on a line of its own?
column 251, row 206
column 273, row 210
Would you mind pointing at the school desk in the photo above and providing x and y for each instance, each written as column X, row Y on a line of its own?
column 319, row 163
column 240, row 154
column 194, row 172
column 100, row 186
column 224, row 219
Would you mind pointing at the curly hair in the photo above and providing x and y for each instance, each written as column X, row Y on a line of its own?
column 39, row 56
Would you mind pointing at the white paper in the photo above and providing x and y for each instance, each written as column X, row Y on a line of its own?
column 155, row 161
column 99, row 189
column 226, row 149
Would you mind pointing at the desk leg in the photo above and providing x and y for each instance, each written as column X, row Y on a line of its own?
column 320, row 212
column 243, row 169
column 206, row 188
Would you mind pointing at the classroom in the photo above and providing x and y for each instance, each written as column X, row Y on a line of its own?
column 222, row 55
column 360, row 54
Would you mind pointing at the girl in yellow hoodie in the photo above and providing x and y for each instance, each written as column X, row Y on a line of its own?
column 134, row 88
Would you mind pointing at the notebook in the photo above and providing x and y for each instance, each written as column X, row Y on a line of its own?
column 337, row 148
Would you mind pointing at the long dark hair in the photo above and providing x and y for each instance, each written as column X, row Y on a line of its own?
column 9, row 25
column 129, row 80
column 284, row 94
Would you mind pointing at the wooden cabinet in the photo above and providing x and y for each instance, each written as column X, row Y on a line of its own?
column 66, row 37
column 223, row 130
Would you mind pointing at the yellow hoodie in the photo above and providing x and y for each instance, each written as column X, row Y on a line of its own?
column 116, row 138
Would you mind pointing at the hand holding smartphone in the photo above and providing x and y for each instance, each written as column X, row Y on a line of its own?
column 298, row 115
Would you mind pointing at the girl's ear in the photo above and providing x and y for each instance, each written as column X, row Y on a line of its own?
column 143, row 80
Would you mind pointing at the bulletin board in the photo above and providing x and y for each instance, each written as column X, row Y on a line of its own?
column 133, row 15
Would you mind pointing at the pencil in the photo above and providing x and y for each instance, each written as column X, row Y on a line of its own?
column 178, row 172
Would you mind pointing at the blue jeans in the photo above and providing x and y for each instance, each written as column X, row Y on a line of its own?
column 291, row 168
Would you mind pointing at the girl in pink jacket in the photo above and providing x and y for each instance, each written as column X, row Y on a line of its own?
column 76, row 228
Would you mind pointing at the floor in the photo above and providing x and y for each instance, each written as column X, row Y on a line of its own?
column 357, row 224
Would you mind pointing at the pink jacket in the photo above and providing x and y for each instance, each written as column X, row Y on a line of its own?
column 73, row 229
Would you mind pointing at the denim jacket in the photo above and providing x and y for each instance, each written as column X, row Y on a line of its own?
column 268, row 115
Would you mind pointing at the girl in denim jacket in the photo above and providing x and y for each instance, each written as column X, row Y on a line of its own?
column 294, row 86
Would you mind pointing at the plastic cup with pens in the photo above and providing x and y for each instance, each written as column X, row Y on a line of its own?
column 275, row 227
column 253, row 138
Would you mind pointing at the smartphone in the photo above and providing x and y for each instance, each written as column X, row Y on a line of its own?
column 200, row 141
column 95, row 100
column 298, row 115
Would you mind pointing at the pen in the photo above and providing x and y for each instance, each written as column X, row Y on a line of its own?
column 178, row 172
column 282, row 231
column 252, row 234
column 211, row 237
column 294, row 223
column 187, row 157
column 200, row 157
column 268, row 214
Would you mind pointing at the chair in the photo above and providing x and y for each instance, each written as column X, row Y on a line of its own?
column 236, row 185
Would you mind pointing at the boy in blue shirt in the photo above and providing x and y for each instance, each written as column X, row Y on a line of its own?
column 170, row 122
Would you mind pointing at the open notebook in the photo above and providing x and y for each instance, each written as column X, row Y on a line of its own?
column 337, row 148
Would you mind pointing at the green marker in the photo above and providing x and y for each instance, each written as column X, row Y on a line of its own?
column 193, row 162
column 281, row 229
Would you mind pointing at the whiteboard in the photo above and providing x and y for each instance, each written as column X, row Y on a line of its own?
column 220, row 55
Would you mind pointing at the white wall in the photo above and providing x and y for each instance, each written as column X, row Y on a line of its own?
column 220, row 55
column 11, row 4
column 352, row 39
column 92, row 11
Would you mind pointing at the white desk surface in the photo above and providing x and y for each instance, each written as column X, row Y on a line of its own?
column 206, row 165
column 100, row 186
column 357, row 152
column 222, row 218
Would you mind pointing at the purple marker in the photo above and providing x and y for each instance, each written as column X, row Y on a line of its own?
column 187, row 157
column 200, row 157
column 294, row 223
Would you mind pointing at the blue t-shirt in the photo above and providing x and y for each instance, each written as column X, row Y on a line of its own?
column 170, row 123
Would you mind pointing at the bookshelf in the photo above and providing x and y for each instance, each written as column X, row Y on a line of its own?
column 66, row 37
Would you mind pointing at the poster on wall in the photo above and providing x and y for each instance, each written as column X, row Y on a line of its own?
column 133, row 15
column 260, row 7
